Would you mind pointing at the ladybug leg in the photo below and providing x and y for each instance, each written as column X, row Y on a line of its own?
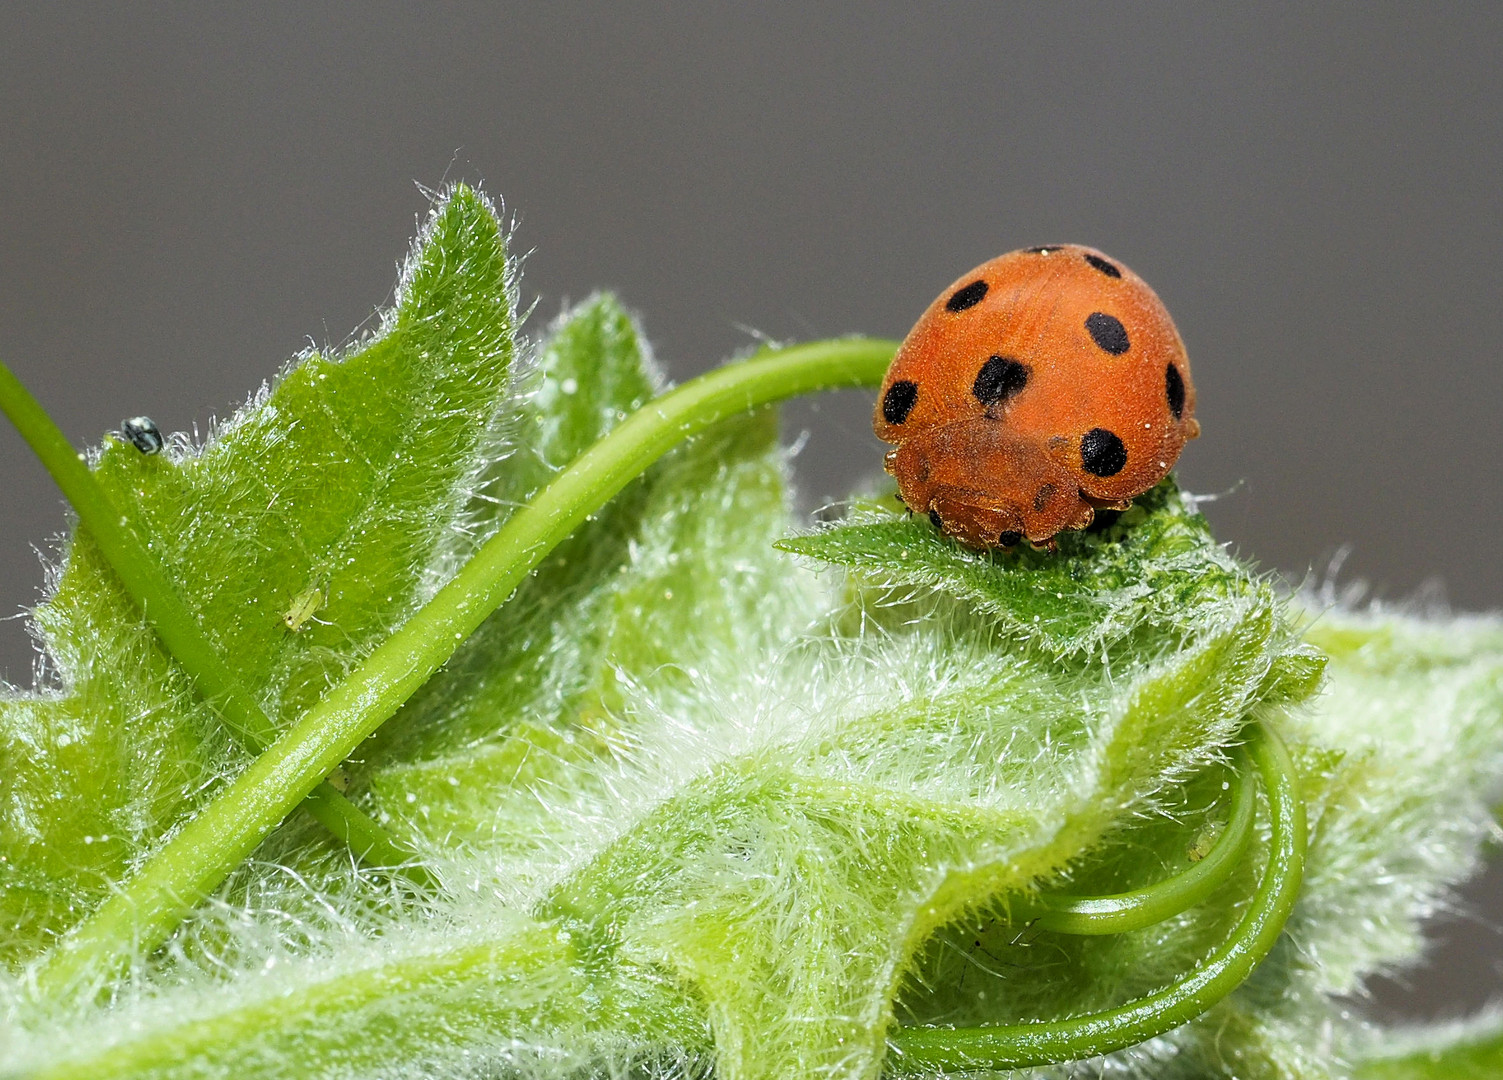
column 975, row 520
column 1057, row 507
column 1084, row 516
column 1106, row 504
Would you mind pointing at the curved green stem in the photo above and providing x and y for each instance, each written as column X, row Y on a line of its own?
column 168, row 1050
column 147, row 907
column 146, row 583
column 1123, row 912
column 1021, row 1045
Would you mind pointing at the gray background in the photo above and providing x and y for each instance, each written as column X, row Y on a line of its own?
column 186, row 198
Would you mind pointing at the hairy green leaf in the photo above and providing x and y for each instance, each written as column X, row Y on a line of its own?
column 1153, row 569
column 1464, row 1051
column 342, row 481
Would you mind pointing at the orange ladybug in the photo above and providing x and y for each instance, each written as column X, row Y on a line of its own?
column 1042, row 386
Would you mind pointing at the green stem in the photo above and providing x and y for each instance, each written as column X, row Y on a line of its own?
column 1124, row 912
column 146, row 908
column 304, row 1013
column 1018, row 1046
column 146, row 583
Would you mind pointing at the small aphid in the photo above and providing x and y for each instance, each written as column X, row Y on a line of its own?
column 304, row 604
column 142, row 433
column 1204, row 842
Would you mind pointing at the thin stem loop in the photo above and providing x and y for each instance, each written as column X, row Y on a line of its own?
column 927, row 1049
column 1124, row 912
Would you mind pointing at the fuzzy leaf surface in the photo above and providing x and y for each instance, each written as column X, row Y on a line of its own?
column 344, row 478
column 1459, row 1051
column 1148, row 569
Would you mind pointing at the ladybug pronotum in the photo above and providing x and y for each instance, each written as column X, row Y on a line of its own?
column 1042, row 386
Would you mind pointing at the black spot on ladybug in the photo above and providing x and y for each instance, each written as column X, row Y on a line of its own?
column 1010, row 538
column 999, row 379
column 1107, row 332
column 1109, row 269
column 1046, row 249
column 967, row 296
column 1042, row 496
column 1174, row 390
column 1102, row 453
column 899, row 400
column 934, row 518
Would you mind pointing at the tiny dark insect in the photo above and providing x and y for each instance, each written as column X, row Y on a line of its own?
column 142, row 433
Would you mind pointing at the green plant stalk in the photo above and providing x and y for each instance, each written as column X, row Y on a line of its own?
column 147, row 585
column 188, row 866
column 1023, row 1045
column 1124, row 912
column 348, row 993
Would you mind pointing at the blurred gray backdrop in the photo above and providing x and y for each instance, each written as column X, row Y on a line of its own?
column 188, row 197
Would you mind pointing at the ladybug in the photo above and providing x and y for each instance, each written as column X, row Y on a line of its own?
column 1042, row 386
